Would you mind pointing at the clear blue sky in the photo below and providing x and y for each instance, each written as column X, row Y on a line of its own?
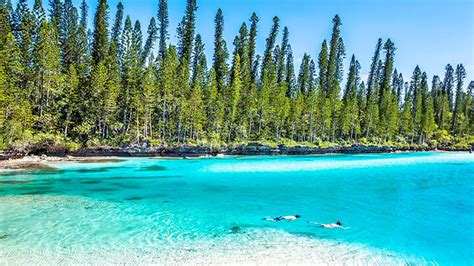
column 431, row 33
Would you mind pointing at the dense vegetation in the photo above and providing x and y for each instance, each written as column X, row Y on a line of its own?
column 110, row 85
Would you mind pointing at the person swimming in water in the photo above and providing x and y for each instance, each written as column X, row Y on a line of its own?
column 338, row 224
column 283, row 218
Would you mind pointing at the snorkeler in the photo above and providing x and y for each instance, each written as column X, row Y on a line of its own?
column 283, row 218
column 338, row 224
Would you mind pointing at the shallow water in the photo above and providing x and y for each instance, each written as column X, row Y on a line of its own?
column 401, row 208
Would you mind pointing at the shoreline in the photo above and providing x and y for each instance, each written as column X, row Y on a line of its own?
column 15, row 161
column 251, row 149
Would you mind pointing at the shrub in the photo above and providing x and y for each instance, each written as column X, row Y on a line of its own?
column 442, row 137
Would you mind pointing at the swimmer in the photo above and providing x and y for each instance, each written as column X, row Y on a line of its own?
column 288, row 218
column 338, row 224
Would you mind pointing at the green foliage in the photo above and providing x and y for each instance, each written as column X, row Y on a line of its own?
column 64, row 85
column 442, row 137
column 253, row 46
column 101, row 39
column 117, row 28
column 220, row 52
column 163, row 22
column 186, row 33
column 458, row 118
column 45, row 141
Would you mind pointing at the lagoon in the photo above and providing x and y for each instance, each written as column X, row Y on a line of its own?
column 406, row 208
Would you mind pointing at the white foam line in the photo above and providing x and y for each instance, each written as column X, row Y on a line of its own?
column 318, row 164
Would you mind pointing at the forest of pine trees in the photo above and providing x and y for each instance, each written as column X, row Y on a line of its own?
column 122, row 82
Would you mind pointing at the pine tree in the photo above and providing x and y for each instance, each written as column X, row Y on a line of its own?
column 406, row 117
column 446, row 101
column 138, row 37
column 323, row 94
column 117, row 28
column 38, row 15
column 282, row 110
column 14, row 107
column 151, row 39
column 397, row 84
column 295, row 116
column 132, row 78
column 429, row 125
column 163, row 22
column 417, row 112
column 290, row 73
column 168, row 72
column 361, row 102
column 333, row 72
column 349, row 123
column 341, row 55
column 83, row 63
column 220, row 52
column 372, row 92
column 214, row 109
column 469, row 109
column 333, row 52
column 449, row 85
column 56, row 14
column 387, row 112
column 10, row 68
column 20, row 11
column 181, row 94
column 458, row 119
column 38, row 12
column 311, row 103
column 389, row 48
column 312, row 76
column 440, row 102
column 253, row 46
column 47, row 74
column 71, row 100
column 98, row 85
column 269, row 85
column 7, row 4
column 270, row 45
column 323, row 67
column 23, row 29
column 199, row 59
column 242, row 48
column 149, row 88
column 248, row 99
column 5, row 27
column 70, row 51
column 109, row 96
column 233, row 96
column 83, row 21
column 281, row 56
column 196, row 111
column 100, row 43
column 186, row 30
column 303, row 75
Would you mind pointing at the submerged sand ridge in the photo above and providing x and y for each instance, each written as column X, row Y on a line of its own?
column 41, row 162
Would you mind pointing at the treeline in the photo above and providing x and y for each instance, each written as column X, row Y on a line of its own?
column 112, row 84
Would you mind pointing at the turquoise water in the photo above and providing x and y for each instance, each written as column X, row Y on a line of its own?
column 401, row 208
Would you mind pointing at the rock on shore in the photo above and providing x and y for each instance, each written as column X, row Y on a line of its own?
column 145, row 150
